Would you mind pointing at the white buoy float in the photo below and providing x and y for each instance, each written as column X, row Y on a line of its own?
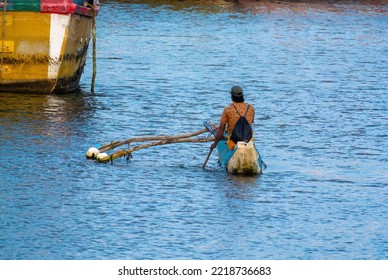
column 101, row 155
column 92, row 153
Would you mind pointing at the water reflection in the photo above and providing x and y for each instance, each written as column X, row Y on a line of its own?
column 241, row 187
column 47, row 115
column 263, row 6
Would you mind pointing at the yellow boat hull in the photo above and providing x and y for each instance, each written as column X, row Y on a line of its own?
column 43, row 52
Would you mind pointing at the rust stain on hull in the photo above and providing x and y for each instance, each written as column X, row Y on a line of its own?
column 46, row 86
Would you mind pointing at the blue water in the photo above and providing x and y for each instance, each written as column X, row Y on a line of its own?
column 318, row 78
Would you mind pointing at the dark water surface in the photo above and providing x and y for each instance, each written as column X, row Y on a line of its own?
column 317, row 75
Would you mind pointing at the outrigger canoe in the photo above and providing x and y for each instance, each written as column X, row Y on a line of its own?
column 243, row 159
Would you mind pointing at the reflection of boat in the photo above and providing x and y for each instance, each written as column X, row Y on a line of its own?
column 44, row 44
column 243, row 159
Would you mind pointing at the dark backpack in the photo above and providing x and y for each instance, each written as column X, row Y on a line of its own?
column 243, row 130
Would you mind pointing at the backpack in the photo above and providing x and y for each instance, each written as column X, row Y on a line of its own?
column 243, row 130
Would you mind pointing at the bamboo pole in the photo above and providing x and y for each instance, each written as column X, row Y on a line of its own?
column 94, row 39
column 171, row 140
column 117, row 143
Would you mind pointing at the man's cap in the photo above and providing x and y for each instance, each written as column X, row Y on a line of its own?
column 236, row 91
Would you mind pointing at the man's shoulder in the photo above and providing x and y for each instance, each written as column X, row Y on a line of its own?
column 229, row 108
column 250, row 106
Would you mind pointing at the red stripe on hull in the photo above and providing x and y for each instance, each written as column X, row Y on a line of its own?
column 66, row 7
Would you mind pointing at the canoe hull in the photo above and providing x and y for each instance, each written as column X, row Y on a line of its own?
column 244, row 159
column 43, row 52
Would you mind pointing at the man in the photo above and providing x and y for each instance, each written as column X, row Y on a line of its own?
column 232, row 114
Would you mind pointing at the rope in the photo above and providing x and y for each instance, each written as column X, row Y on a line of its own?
column 3, row 24
column 94, row 45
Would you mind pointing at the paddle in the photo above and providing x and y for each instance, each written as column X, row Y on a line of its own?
column 213, row 130
column 207, row 158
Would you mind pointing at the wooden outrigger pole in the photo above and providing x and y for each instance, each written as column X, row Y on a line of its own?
column 101, row 156
column 115, row 144
column 122, row 153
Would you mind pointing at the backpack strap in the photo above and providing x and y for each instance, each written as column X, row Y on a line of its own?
column 238, row 111
column 247, row 110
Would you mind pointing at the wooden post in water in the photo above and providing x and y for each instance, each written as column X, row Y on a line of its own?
column 94, row 38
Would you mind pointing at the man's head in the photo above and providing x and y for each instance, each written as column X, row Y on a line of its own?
column 237, row 94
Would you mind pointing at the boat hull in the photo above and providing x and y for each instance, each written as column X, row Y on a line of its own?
column 43, row 52
column 244, row 159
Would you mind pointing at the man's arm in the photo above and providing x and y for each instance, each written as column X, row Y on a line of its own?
column 220, row 132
